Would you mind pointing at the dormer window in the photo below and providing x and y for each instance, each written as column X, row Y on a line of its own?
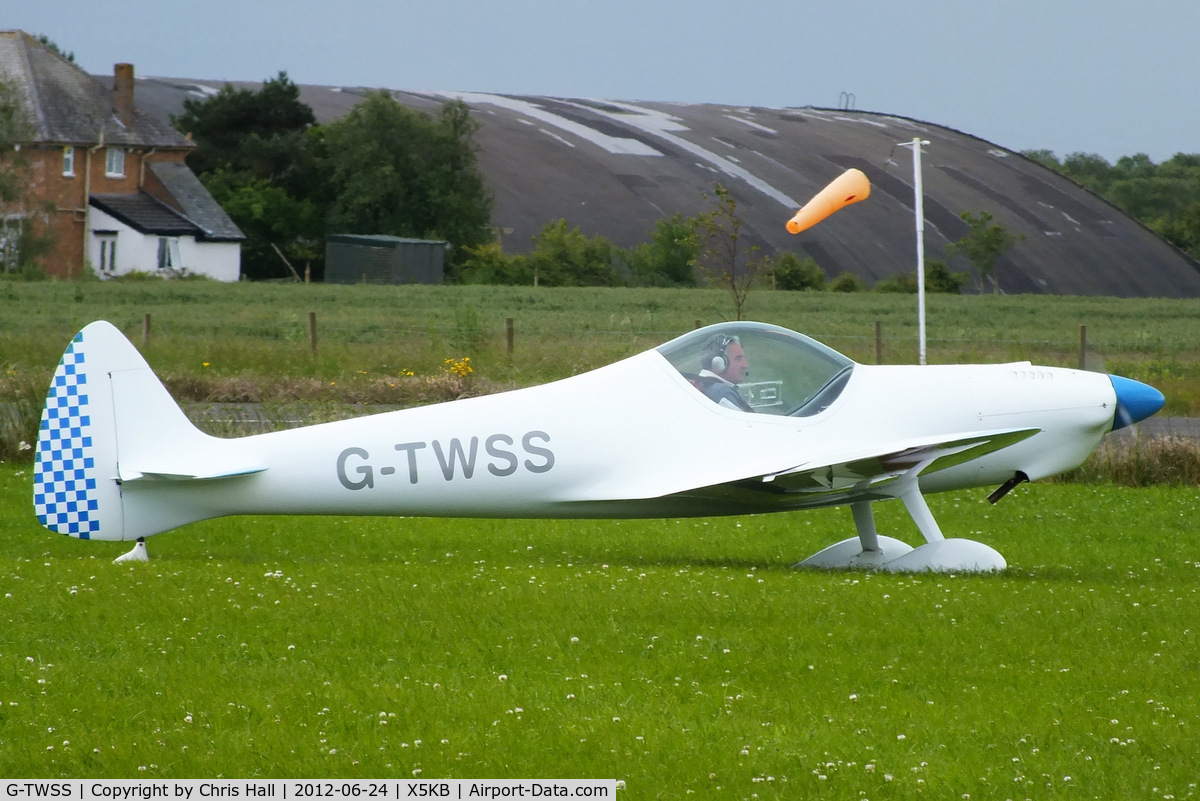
column 68, row 162
column 114, row 163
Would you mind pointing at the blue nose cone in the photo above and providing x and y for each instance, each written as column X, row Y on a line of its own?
column 1135, row 401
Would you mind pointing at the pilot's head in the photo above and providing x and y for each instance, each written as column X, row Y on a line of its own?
column 722, row 354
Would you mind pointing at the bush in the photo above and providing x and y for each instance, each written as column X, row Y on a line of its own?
column 795, row 274
column 848, row 282
column 563, row 256
column 1141, row 463
column 21, row 416
column 938, row 278
column 488, row 264
column 899, row 282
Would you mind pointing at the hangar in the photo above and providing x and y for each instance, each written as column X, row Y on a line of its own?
column 613, row 168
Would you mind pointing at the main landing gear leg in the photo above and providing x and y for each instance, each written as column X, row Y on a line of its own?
column 872, row 551
column 867, row 550
column 938, row 553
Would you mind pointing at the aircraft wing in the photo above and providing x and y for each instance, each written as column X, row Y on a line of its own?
column 873, row 469
column 864, row 474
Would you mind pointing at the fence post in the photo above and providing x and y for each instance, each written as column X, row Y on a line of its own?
column 510, row 335
column 878, row 342
column 312, row 332
column 1082, row 346
column 145, row 330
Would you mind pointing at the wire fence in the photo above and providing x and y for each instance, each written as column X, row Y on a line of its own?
column 875, row 344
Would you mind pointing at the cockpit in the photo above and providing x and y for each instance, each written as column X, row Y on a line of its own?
column 783, row 373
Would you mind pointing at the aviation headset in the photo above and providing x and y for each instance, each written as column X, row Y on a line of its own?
column 714, row 355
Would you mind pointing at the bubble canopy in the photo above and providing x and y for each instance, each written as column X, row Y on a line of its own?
column 790, row 374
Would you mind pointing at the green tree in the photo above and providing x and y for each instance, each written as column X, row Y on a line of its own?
column 389, row 169
column 252, row 154
column 1089, row 169
column 669, row 257
column 254, row 134
column 15, row 130
column 50, row 44
column 1160, row 196
column 985, row 243
column 724, row 256
column 1183, row 230
column 22, row 245
column 1044, row 157
column 563, row 256
column 271, row 219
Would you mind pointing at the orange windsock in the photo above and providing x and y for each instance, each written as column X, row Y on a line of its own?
column 849, row 187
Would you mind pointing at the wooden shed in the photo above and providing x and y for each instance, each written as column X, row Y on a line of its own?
column 378, row 259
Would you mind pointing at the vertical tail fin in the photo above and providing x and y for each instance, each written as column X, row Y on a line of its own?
column 111, row 441
column 75, row 489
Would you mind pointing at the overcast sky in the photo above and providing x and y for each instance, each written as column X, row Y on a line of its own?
column 1096, row 76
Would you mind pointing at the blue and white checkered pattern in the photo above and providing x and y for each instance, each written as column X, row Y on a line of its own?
column 64, row 478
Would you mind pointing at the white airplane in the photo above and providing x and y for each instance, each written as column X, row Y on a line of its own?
column 677, row 431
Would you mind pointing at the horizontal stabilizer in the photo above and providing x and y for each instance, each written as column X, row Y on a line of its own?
column 189, row 472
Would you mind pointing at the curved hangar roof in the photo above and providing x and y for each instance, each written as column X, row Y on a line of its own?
column 613, row 168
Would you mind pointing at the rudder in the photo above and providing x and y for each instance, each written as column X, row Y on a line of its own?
column 75, row 491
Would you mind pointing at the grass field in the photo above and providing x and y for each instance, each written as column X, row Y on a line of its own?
column 683, row 657
column 373, row 335
column 398, row 345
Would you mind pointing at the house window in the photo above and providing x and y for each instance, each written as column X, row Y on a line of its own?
column 168, row 253
column 108, row 253
column 68, row 161
column 114, row 163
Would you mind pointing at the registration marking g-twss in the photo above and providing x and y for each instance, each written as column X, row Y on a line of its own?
column 500, row 454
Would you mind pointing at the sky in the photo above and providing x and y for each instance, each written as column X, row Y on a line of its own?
column 1109, row 77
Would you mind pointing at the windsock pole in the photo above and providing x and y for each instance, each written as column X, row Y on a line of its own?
column 919, row 213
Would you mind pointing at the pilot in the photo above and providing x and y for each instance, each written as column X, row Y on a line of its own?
column 723, row 366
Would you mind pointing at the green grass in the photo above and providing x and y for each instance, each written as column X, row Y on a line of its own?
column 262, row 328
column 391, row 344
column 680, row 656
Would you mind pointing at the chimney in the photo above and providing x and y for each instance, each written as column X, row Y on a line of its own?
column 123, row 93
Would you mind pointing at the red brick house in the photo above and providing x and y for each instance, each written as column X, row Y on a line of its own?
column 107, row 182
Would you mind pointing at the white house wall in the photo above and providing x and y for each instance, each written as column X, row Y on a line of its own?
column 221, row 260
column 138, row 252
